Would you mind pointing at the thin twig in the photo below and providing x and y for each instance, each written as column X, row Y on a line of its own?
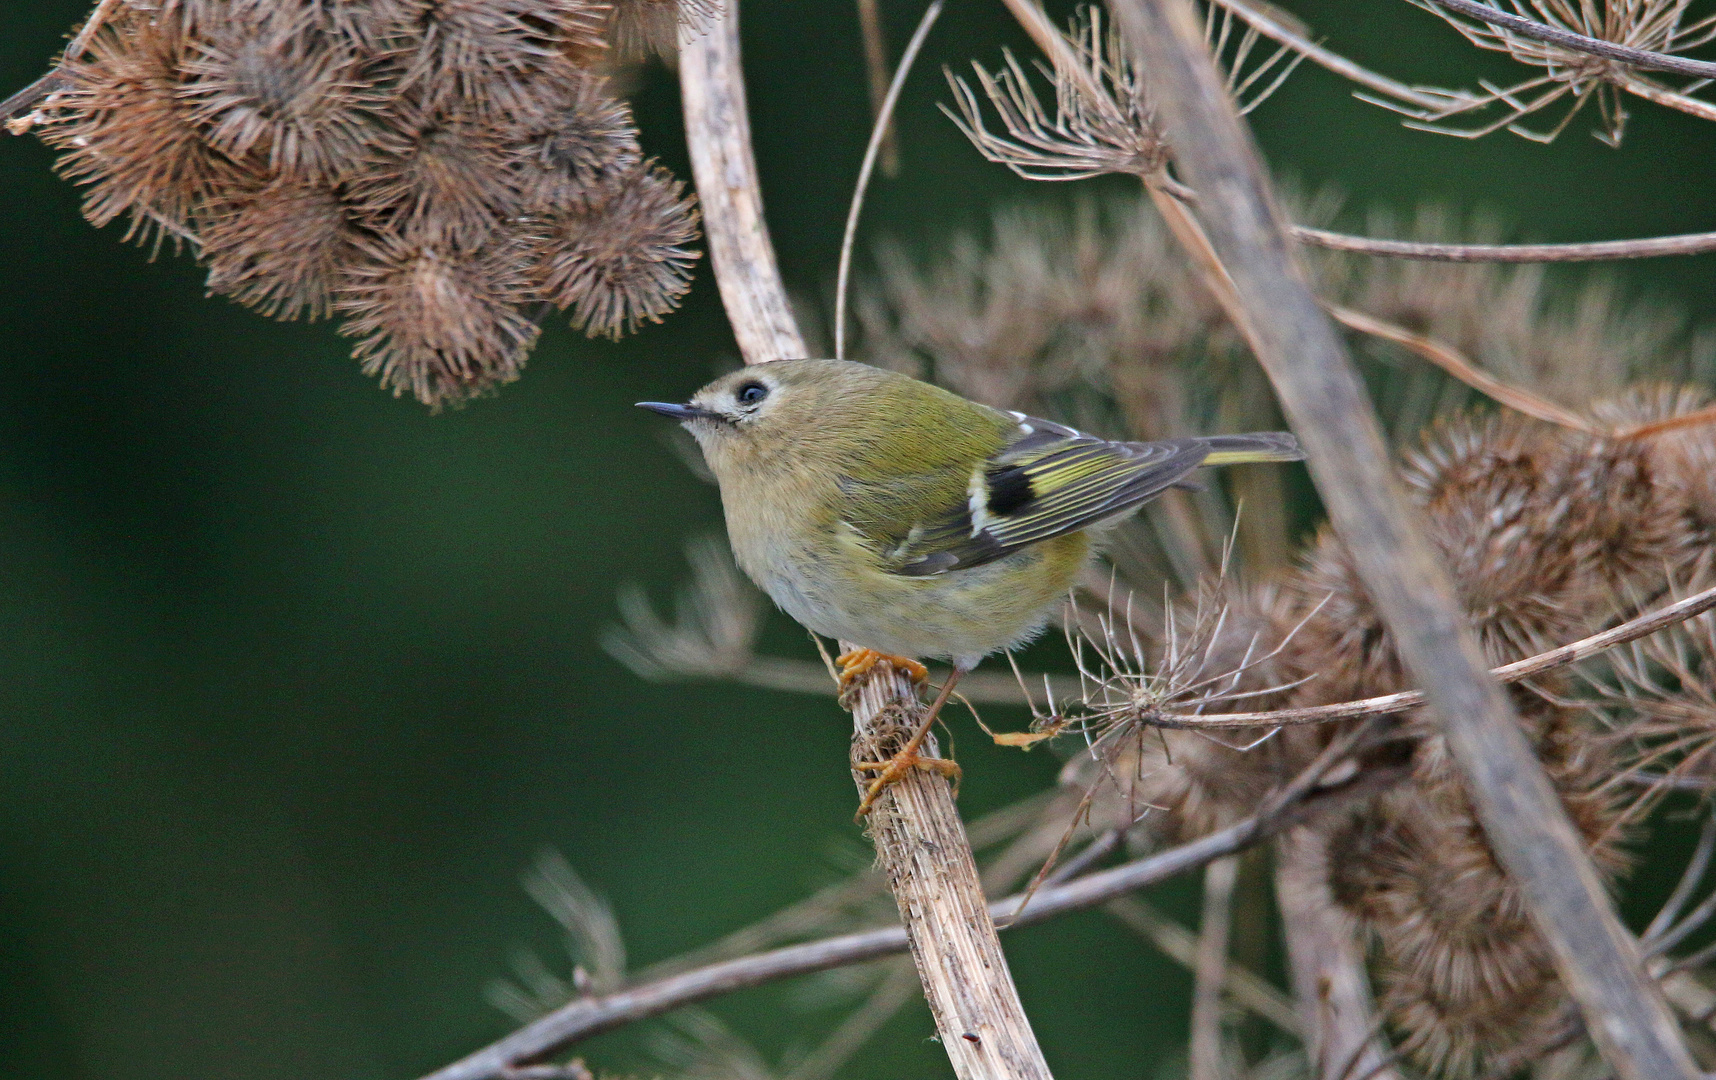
column 878, row 133
column 1323, row 398
column 876, row 67
column 1214, row 928
column 586, row 1017
column 1555, row 35
column 1517, row 671
column 1592, row 251
column 1272, row 26
column 1450, row 360
column 1181, row 946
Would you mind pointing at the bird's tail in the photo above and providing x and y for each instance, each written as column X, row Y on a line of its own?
column 1259, row 446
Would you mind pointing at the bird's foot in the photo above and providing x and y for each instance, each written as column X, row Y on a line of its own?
column 856, row 664
column 895, row 769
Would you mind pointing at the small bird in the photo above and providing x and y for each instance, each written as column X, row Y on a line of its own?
column 883, row 511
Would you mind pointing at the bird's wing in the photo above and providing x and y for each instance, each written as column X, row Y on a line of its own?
column 1046, row 480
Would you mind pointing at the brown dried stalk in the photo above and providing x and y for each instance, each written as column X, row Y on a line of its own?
column 1324, row 400
column 919, row 838
column 1590, row 251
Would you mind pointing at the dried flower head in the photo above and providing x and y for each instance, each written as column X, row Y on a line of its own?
column 272, row 85
column 279, row 247
column 496, row 57
column 127, row 134
column 580, row 144
column 622, row 259
column 639, row 29
column 1568, row 76
column 1101, row 123
column 444, row 323
column 445, row 178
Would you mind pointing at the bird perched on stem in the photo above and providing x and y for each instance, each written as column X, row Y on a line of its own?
column 890, row 513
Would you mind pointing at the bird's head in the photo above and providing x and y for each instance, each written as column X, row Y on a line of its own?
column 776, row 414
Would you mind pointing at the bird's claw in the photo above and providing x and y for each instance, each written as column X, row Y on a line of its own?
column 856, row 664
column 895, row 769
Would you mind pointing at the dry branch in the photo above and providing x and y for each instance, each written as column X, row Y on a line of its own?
column 1591, row 251
column 586, row 1017
column 1555, row 35
column 1321, row 394
column 919, row 838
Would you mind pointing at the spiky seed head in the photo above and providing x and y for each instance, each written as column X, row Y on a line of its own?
column 442, row 323
column 126, row 133
column 639, row 29
column 624, row 258
column 443, row 177
column 490, row 56
column 580, row 144
column 274, row 86
column 279, row 247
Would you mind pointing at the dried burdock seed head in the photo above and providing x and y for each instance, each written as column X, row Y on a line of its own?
column 579, row 145
column 274, row 86
column 1683, row 459
column 126, row 133
column 439, row 322
column 443, row 178
column 624, row 258
column 638, row 29
column 491, row 56
column 279, row 247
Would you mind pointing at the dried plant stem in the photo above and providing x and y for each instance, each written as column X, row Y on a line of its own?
column 1518, row 671
column 1270, row 25
column 923, row 851
column 1181, row 946
column 31, row 96
column 920, row 840
column 1330, row 984
column 1321, row 395
column 589, row 1016
column 1555, row 35
column 876, row 67
column 1455, row 364
column 718, row 132
column 1209, row 975
column 1593, row 251
column 878, row 136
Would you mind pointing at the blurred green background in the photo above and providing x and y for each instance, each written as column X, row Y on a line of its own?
column 295, row 677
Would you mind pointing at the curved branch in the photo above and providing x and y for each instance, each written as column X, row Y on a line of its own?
column 1592, row 251
column 1567, row 39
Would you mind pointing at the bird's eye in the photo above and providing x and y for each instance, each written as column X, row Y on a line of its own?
column 751, row 393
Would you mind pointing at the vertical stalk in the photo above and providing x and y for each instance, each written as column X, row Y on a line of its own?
column 919, row 838
column 1324, row 401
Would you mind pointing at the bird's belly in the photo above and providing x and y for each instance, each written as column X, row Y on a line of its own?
column 961, row 614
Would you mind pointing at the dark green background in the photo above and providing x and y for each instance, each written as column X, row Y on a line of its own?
column 295, row 677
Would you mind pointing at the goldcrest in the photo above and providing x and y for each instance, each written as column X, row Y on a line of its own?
column 884, row 511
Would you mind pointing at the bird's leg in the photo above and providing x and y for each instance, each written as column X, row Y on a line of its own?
column 856, row 664
column 895, row 768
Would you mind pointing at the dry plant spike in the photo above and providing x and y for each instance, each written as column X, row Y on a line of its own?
column 1320, row 393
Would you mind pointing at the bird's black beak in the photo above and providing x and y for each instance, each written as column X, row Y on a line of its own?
column 677, row 412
